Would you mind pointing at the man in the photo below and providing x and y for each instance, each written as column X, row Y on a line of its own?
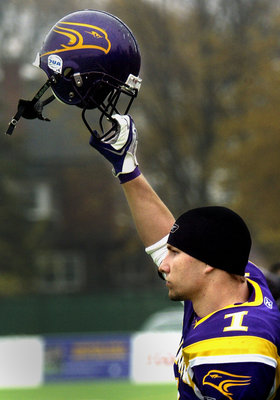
column 231, row 330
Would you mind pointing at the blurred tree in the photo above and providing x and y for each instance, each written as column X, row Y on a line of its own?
column 210, row 91
column 249, row 130
column 16, row 232
column 179, row 103
column 210, row 79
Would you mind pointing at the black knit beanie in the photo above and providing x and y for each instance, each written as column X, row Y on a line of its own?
column 215, row 235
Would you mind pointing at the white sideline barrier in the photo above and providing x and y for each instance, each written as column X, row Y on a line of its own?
column 21, row 361
column 152, row 356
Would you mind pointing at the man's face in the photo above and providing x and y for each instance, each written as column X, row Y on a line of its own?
column 184, row 274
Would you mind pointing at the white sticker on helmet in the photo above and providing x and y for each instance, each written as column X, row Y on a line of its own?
column 55, row 63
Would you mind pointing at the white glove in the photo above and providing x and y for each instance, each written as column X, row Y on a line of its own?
column 119, row 147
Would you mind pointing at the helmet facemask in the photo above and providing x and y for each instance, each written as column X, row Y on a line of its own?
column 109, row 96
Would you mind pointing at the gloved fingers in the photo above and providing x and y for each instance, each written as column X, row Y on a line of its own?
column 122, row 120
column 120, row 136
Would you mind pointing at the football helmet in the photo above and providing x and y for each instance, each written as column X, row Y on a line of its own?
column 91, row 58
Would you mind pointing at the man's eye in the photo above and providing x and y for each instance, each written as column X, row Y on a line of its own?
column 173, row 251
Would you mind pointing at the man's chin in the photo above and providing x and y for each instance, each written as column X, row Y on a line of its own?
column 174, row 296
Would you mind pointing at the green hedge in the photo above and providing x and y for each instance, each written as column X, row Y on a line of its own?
column 100, row 312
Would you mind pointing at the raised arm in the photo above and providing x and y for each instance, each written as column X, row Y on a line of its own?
column 152, row 218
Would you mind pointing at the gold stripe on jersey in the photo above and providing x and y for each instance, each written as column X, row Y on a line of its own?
column 250, row 348
column 256, row 302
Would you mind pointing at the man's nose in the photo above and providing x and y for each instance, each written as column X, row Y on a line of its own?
column 164, row 267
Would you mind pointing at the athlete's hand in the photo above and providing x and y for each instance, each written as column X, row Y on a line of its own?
column 119, row 148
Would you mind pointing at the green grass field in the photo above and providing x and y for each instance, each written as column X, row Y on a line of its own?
column 93, row 391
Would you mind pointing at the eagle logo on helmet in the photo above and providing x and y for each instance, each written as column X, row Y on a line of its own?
column 85, row 36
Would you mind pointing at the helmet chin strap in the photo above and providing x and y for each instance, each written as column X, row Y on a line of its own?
column 31, row 109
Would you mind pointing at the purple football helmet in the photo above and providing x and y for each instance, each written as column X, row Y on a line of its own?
column 91, row 58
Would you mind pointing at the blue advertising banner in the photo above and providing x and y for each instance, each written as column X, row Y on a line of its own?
column 86, row 357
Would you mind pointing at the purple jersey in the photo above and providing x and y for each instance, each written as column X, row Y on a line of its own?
column 232, row 353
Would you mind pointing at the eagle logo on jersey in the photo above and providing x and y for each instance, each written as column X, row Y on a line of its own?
column 222, row 381
column 79, row 36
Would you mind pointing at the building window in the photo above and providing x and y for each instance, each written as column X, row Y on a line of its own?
column 40, row 201
column 60, row 272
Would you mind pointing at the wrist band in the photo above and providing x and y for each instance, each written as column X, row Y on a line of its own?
column 130, row 176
